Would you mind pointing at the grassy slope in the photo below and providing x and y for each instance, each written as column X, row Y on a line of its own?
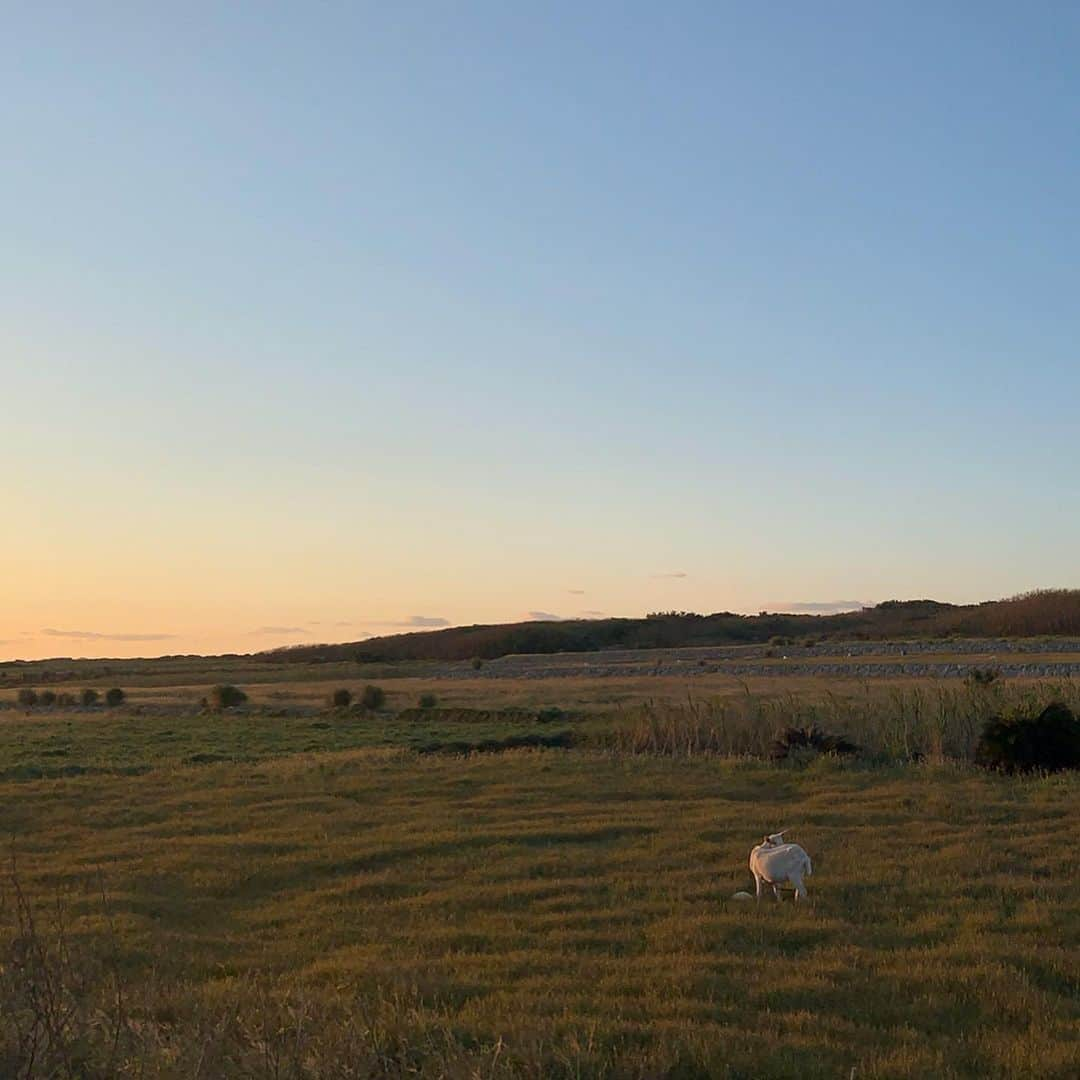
column 574, row 906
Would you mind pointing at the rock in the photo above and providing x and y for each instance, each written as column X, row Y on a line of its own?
column 741, row 896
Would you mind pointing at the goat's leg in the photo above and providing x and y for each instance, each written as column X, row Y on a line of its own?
column 776, row 891
column 800, row 889
column 757, row 883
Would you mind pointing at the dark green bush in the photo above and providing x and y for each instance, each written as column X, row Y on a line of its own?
column 550, row 715
column 89, row 697
column 477, row 663
column 373, row 697
column 27, row 697
column 114, row 697
column 47, row 697
column 341, row 698
column 1047, row 742
column 227, row 696
column 428, row 701
column 982, row 676
column 795, row 741
column 65, row 699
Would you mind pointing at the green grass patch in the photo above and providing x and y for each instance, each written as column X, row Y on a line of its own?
column 555, row 914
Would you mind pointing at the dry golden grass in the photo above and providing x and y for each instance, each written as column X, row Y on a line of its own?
column 565, row 914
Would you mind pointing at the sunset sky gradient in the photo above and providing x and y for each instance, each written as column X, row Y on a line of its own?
column 325, row 320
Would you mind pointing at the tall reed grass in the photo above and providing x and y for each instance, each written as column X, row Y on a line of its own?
column 897, row 723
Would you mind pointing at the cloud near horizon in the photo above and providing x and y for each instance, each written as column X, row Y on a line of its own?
column 279, row 630
column 93, row 635
column 593, row 614
column 543, row 616
column 576, row 592
column 672, row 574
column 818, row 607
column 415, row 622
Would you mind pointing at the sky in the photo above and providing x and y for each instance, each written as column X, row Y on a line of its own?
column 325, row 320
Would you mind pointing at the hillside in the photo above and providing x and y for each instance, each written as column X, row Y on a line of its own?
column 1046, row 612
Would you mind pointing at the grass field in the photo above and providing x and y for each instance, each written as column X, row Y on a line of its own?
column 296, row 892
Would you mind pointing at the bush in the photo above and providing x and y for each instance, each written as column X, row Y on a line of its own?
column 227, row 696
column 341, row 699
column 89, row 697
column 65, row 699
column 373, row 697
column 27, row 697
column 428, row 701
column 796, row 741
column 47, row 697
column 982, row 676
column 1047, row 742
column 779, row 639
column 477, row 663
column 114, row 697
column 550, row 715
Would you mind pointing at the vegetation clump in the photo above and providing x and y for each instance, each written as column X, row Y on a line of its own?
column 983, row 676
column 47, row 697
column 800, row 741
column 1048, row 742
column 341, row 698
column 27, row 697
column 427, row 701
column 88, row 697
column 372, row 698
column 227, row 696
column 114, row 697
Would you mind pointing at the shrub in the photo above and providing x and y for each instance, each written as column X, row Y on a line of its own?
column 373, row 697
column 982, row 676
column 47, row 697
column 227, row 696
column 1049, row 741
column 341, row 698
column 477, row 663
column 27, row 697
column 550, row 715
column 65, row 699
column 89, row 697
column 114, row 697
column 798, row 741
column 428, row 701
column 779, row 639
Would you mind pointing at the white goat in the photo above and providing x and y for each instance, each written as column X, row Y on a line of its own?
column 775, row 863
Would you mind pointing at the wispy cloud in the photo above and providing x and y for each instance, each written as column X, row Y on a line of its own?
column 93, row 635
column 543, row 616
column 672, row 574
column 279, row 630
column 412, row 622
column 818, row 607
column 593, row 614
column 576, row 592
column 343, row 622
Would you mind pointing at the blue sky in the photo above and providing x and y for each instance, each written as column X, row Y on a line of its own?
column 326, row 318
